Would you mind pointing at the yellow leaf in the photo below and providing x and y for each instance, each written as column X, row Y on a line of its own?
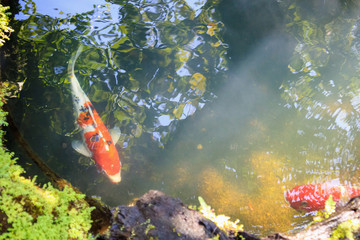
column 131, row 78
column 198, row 82
column 211, row 30
column 216, row 44
column 183, row 55
column 178, row 111
column 171, row 87
column 291, row 69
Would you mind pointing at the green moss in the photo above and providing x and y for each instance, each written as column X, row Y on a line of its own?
column 28, row 211
column 5, row 30
column 346, row 230
column 148, row 228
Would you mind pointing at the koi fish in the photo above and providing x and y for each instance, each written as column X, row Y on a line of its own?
column 97, row 142
column 312, row 197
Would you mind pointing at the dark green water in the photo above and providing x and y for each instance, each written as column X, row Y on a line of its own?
column 234, row 101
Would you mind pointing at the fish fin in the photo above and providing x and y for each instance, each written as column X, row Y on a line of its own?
column 115, row 134
column 80, row 147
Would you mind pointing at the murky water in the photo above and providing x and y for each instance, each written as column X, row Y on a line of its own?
column 235, row 102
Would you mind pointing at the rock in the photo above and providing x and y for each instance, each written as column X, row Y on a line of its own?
column 157, row 216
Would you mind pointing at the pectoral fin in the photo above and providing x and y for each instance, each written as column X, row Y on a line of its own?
column 115, row 134
column 80, row 147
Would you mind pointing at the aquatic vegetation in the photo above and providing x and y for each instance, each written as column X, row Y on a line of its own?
column 31, row 212
column 5, row 30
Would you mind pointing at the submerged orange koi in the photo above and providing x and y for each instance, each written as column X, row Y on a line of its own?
column 312, row 197
column 98, row 143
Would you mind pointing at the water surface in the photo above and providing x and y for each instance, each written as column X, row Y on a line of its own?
column 235, row 102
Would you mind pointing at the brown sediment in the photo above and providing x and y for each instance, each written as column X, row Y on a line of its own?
column 269, row 208
column 265, row 206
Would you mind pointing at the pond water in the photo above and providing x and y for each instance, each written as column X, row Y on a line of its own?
column 234, row 101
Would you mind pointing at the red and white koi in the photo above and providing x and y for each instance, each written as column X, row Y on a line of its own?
column 312, row 197
column 97, row 142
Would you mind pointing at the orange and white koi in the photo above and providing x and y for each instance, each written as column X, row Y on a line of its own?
column 97, row 142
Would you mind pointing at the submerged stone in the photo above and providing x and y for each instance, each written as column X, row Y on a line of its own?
column 157, row 216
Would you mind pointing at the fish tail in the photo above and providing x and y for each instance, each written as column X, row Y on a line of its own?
column 72, row 61
column 75, row 86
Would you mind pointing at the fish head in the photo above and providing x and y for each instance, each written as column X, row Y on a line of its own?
column 110, row 164
column 116, row 178
column 103, row 150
